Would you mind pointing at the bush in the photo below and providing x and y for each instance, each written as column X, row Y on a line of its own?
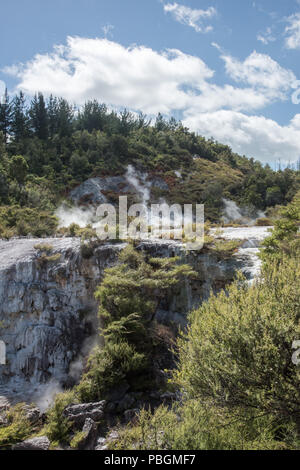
column 203, row 426
column 129, row 297
column 18, row 429
column 57, row 426
column 264, row 222
column 238, row 348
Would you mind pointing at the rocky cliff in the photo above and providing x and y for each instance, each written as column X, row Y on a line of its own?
column 48, row 315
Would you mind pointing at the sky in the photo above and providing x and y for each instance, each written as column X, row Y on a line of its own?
column 229, row 69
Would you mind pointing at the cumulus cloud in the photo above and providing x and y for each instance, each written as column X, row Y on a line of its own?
column 142, row 79
column 254, row 136
column 261, row 72
column 292, row 32
column 135, row 77
column 191, row 17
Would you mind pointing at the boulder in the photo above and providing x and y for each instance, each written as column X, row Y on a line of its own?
column 32, row 413
column 78, row 414
column 90, row 435
column 37, row 443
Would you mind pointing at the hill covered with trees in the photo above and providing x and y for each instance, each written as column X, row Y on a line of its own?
column 48, row 146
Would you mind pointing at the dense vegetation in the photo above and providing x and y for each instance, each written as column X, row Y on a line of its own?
column 239, row 385
column 129, row 297
column 48, row 146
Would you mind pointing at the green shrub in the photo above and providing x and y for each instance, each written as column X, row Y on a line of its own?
column 77, row 439
column 264, row 222
column 18, row 429
column 57, row 426
column 129, row 297
column 203, row 426
column 44, row 247
column 238, row 348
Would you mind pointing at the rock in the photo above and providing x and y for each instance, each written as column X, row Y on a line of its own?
column 4, row 404
column 78, row 414
column 33, row 414
column 101, row 444
column 90, row 435
column 93, row 190
column 40, row 306
column 3, row 420
column 37, row 443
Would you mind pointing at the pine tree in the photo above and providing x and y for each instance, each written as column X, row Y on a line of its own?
column 19, row 118
column 39, row 117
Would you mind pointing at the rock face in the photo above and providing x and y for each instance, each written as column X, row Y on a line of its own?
column 48, row 314
column 37, row 443
column 92, row 191
column 78, row 414
column 47, row 311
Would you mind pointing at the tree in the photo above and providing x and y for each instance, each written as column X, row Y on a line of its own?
column 19, row 119
column 93, row 116
column 129, row 297
column 39, row 117
column 18, row 169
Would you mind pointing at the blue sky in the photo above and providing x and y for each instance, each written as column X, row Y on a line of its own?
column 227, row 68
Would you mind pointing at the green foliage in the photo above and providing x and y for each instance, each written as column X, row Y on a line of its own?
column 18, row 168
column 203, row 426
column 129, row 296
column 77, row 439
column 52, row 148
column 285, row 236
column 44, row 247
column 57, row 426
column 225, row 248
column 25, row 221
column 238, row 348
column 18, row 428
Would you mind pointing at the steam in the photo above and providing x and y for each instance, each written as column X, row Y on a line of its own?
column 75, row 215
column 245, row 216
column 139, row 182
column 77, row 366
column 44, row 398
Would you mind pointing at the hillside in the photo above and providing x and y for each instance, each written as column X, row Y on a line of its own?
column 48, row 147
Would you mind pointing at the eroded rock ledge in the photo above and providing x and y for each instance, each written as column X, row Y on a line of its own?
column 48, row 315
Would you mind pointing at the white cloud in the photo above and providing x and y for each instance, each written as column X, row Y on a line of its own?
column 261, row 72
column 254, row 136
column 292, row 32
column 140, row 78
column 135, row 77
column 191, row 17
column 266, row 37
